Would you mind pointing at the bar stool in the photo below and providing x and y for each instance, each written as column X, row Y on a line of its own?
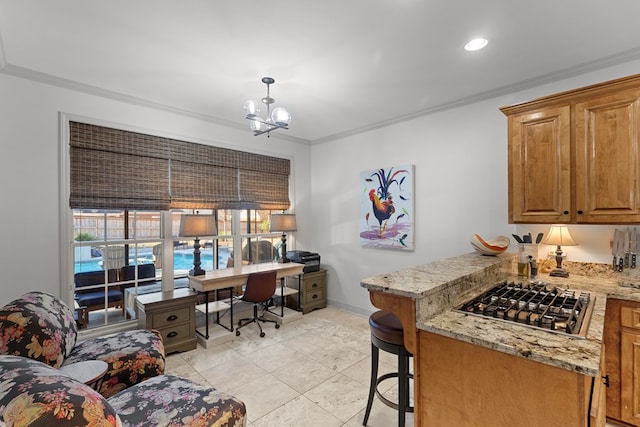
column 387, row 335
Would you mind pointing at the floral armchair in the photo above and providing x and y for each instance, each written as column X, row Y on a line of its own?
column 35, row 394
column 41, row 327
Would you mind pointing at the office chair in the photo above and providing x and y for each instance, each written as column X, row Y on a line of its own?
column 259, row 289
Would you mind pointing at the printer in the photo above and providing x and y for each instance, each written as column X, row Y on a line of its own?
column 310, row 260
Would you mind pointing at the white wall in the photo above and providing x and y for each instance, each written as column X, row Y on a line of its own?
column 29, row 171
column 460, row 159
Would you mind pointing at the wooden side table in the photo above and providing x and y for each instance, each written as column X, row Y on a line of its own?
column 90, row 372
column 173, row 313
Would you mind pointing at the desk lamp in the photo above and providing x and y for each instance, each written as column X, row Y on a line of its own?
column 283, row 222
column 559, row 235
column 197, row 226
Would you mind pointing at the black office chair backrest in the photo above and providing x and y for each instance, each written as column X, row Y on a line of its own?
column 260, row 286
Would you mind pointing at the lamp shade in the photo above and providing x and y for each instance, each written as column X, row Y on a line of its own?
column 197, row 226
column 283, row 222
column 559, row 235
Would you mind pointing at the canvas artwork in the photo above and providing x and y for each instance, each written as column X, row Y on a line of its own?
column 386, row 208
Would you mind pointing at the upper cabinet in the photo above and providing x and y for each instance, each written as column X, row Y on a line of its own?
column 573, row 157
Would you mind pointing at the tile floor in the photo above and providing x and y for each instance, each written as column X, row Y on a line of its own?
column 311, row 372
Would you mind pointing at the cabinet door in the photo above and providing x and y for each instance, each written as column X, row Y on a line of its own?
column 539, row 166
column 598, row 410
column 607, row 158
column 630, row 378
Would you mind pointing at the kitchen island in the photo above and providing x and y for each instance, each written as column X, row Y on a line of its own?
column 466, row 367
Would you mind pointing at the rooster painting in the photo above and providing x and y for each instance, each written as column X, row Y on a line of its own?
column 382, row 210
column 393, row 225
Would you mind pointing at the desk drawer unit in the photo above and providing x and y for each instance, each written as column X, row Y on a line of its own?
column 169, row 318
column 173, row 314
column 314, row 291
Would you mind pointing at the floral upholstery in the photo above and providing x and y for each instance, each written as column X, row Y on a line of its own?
column 173, row 401
column 41, row 327
column 35, row 394
column 132, row 356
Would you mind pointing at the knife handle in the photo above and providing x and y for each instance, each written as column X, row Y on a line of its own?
column 633, row 260
column 621, row 264
column 615, row 263
column 626, row 259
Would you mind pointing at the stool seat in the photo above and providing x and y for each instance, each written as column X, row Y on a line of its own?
column 387, row 327
column 387, row 334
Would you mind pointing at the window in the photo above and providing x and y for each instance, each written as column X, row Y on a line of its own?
column 113, row 254
column 126, row 192
column 118, row 254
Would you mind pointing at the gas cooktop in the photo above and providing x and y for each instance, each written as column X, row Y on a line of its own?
column 535, row 304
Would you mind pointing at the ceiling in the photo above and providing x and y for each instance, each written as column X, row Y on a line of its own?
column 341, row 66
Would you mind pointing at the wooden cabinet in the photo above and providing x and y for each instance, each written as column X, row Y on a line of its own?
column 313, row 290
column 607, row 158
column 622, row 352
column 573, row 157
column 539, row 166
column 473, row 386
column 173, row 314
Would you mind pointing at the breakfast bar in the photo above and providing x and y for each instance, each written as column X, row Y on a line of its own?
column 466, row 366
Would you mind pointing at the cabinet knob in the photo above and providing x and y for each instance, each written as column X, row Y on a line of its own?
column 565, row 213
column 315, row 285
column 579, row 211
column 314, row 296
column 172, row 318
column 172, row 334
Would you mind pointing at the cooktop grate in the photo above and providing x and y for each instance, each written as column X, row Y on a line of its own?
column 534, row 304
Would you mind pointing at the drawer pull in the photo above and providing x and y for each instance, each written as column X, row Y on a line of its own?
column 315, row 285
column 172, row 318
column 314, row 296
column 172, row 334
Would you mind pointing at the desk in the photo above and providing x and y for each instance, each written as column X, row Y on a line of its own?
column 228, row 278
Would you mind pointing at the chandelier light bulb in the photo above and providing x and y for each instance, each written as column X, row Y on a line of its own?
column 256, row 125
column 251, row 108
column 280, row 115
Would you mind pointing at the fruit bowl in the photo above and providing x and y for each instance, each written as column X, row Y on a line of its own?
column 495, row 246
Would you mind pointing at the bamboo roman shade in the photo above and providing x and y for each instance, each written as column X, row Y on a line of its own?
column 116, row 169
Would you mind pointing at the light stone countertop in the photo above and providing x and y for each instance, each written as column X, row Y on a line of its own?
column 440, row 286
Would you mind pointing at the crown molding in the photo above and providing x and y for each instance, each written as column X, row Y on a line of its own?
column 37, row 76
column 609, row 61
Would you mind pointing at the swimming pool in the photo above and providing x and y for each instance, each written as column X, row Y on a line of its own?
column 182, row 260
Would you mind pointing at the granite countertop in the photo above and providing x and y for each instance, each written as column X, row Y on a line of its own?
column 440, row 286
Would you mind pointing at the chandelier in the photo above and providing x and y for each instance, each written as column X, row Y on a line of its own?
column 279, row 118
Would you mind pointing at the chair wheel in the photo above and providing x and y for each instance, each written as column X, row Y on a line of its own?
column 261, row 334
column 277, row 325
column 237, row 333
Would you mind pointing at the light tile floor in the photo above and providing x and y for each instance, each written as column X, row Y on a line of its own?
column 311, row 372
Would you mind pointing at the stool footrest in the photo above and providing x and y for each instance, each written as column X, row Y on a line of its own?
column 384, row 399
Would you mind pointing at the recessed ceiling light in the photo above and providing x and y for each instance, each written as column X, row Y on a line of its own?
column 476, row 44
